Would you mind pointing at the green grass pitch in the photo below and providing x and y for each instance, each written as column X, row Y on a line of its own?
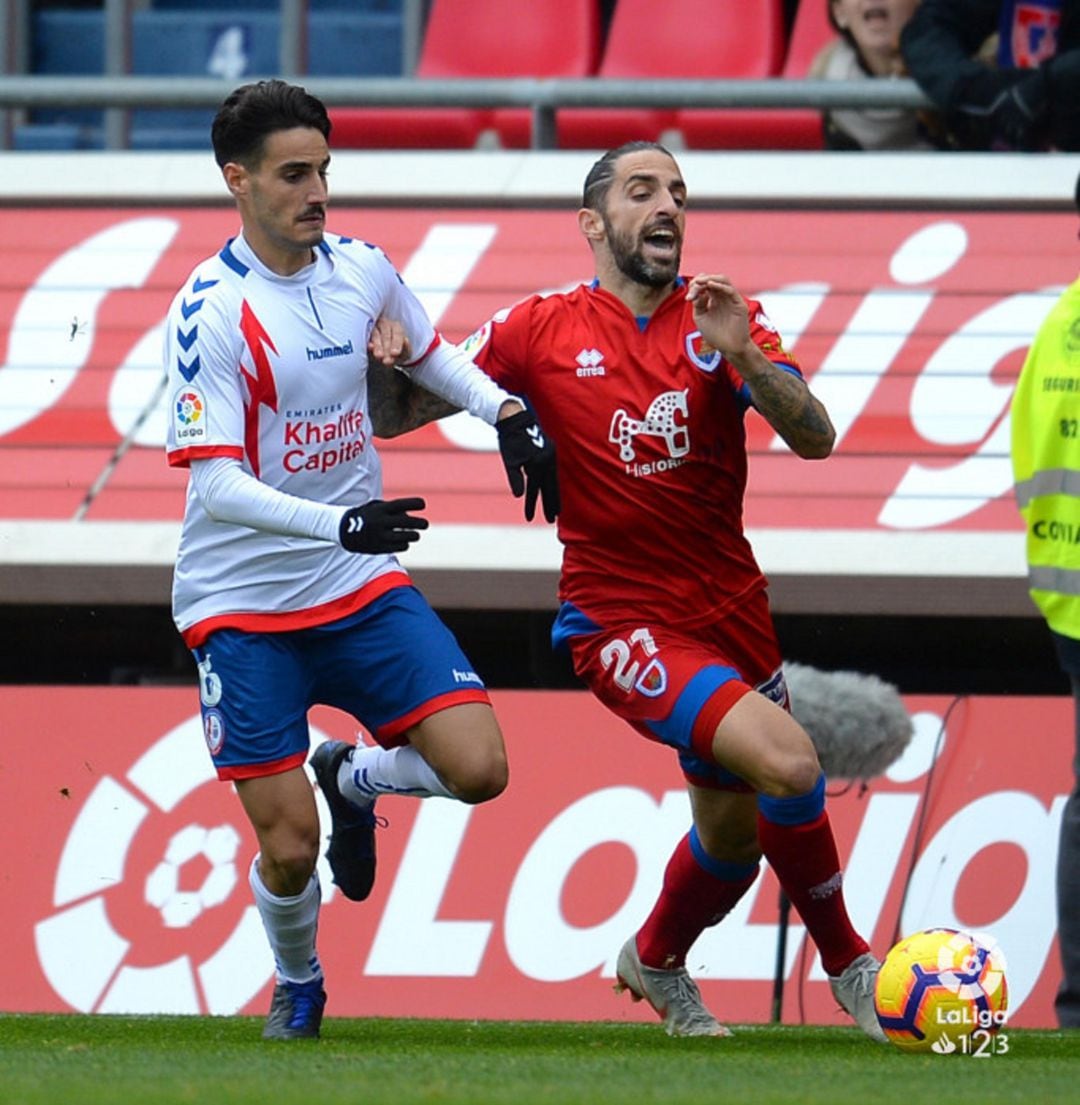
column 90, row 1060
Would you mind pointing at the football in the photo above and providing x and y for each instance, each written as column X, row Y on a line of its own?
column 942, row 990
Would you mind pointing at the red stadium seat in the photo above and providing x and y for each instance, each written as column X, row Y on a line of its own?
column 478, row 39
column 679, row 39
column 758, row 129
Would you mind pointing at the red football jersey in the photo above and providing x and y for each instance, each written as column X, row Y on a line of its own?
column 651, row 446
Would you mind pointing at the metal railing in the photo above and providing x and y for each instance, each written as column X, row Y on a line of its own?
column 542, row 97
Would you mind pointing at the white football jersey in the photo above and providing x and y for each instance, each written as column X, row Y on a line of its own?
column 272, row 370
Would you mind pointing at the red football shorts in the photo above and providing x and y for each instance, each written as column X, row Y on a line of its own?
column 676, row 686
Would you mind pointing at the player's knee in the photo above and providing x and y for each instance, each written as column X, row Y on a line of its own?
column 792, row 774
column 290, row 863
column 480, row 781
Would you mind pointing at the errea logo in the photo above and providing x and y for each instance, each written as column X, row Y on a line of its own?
column 590, row 362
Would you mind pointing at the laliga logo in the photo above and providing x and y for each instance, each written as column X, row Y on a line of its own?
column 958, row 404
column 659, row 421
column 189, row 408
column 980, row 973
column 152, row 909
column 179, row 908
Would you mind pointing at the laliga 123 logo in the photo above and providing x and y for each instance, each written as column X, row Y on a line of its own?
column 974, row 1024
column 152, row 912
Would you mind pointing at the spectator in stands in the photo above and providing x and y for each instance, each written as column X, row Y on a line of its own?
column 286, row 586
column 1005, row 74
column 868, row 47
column 1046, row 468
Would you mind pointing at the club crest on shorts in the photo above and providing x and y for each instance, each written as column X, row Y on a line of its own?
column 652, row 682
column 214, row 731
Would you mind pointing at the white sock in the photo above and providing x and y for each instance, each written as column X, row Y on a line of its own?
column 376, row 771
column 290, row 925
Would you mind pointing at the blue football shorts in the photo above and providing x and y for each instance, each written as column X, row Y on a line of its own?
column 390, row 665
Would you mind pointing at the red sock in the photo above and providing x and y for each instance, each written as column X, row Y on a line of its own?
column 805, row 861
column 691, row 899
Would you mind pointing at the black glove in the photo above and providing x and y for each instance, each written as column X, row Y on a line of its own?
column 382, row 527
column 530, row 463
column 1017, row 114
column 1000, row 107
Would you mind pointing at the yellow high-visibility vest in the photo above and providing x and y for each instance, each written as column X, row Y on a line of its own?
column 1046, row 463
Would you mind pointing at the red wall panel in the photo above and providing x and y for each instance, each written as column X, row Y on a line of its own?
column 911, row 326
column 125, row 863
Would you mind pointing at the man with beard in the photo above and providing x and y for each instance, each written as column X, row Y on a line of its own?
column 643, row 378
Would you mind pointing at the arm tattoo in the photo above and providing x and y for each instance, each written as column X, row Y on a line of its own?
column 397, row 405
column 786, row 403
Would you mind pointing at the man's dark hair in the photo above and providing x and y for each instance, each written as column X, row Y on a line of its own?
column 253, row 111
column 602, row 173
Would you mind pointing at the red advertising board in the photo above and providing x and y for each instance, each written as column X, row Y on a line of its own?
column 125, row 866
column 911, row 326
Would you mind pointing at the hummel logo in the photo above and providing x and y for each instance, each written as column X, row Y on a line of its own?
column 356, row 524
column 188, row 371
column 590, row 363
column 536, row 436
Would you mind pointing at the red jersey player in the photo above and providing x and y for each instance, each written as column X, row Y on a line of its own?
column 642, row 379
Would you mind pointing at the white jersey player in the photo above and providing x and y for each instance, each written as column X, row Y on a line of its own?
column 268, row 384
column 287, row 588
